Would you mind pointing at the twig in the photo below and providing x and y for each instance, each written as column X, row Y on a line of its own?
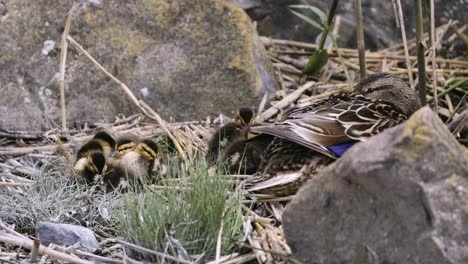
column 451, row 88
column 17, row 167
column 35, row 250
column 224, row 258
column 459, row 123
column 15, row 184
column 459, row 33
column 257, row 249
column 29, row 244
column 287, row 101
column 63, row 62
column 458, row 107
column 241, row 259
column 149, row 251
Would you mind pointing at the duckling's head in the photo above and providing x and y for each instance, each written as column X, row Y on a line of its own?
column 390, row 88
column 244, row 116
column 106, row 140
column 97, row 163
column 147, row 149
column 124, row 145
column 90, row 147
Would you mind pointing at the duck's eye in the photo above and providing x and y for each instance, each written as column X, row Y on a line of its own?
column 379, row 88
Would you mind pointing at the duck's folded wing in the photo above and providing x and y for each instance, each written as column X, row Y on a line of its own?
column 370, row 119
column 326, row 126
column 308, row 134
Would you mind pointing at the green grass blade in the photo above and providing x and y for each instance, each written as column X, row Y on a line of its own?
column 308, row 20
column 316, row 62
column 316, row 10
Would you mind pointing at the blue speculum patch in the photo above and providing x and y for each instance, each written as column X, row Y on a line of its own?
column 341, row 149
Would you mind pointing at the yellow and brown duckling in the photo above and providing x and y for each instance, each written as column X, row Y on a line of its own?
column 91, row 161
column 229, row 133
column 135, row 165
column 124, row 145
column 113, row 178
column 308, row 138
column 107, row 142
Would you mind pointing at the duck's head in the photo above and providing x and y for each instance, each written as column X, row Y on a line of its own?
column 106, row 140
column 390, row 88
column 124, row 145
column 147, row 149
column 97, row 163
column 244, row 116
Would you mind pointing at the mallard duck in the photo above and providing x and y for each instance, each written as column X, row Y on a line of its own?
column 91, row 157
column 228, row 133
column 310, row 137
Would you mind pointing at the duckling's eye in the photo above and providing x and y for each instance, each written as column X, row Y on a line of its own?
column 371, row 90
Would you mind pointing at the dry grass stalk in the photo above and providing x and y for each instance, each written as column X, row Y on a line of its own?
column 360, row 37
column 433, row 50
column 405, row 44
column 14, row 184
column 63, row 62
column 459, row 32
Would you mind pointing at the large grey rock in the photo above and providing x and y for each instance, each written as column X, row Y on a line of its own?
column 66, row 235
column 400, row 197
column 186, row 59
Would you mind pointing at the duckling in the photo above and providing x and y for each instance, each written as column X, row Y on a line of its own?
column 124, row 145
column 244, row 156
column 107, row 142
column 308, row 138
column 91, row 157
column 139, row 164
column 228, row 133
column 113, row 178
column 91, row 162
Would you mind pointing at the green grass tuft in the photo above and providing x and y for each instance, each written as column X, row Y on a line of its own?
column 184, row 218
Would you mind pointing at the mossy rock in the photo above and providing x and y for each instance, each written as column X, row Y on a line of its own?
column 186, row 59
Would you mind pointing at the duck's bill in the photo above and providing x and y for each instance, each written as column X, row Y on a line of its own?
column 97, row 178
column 114, row 154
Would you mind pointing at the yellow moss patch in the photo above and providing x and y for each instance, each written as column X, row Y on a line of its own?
column 130, row 42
